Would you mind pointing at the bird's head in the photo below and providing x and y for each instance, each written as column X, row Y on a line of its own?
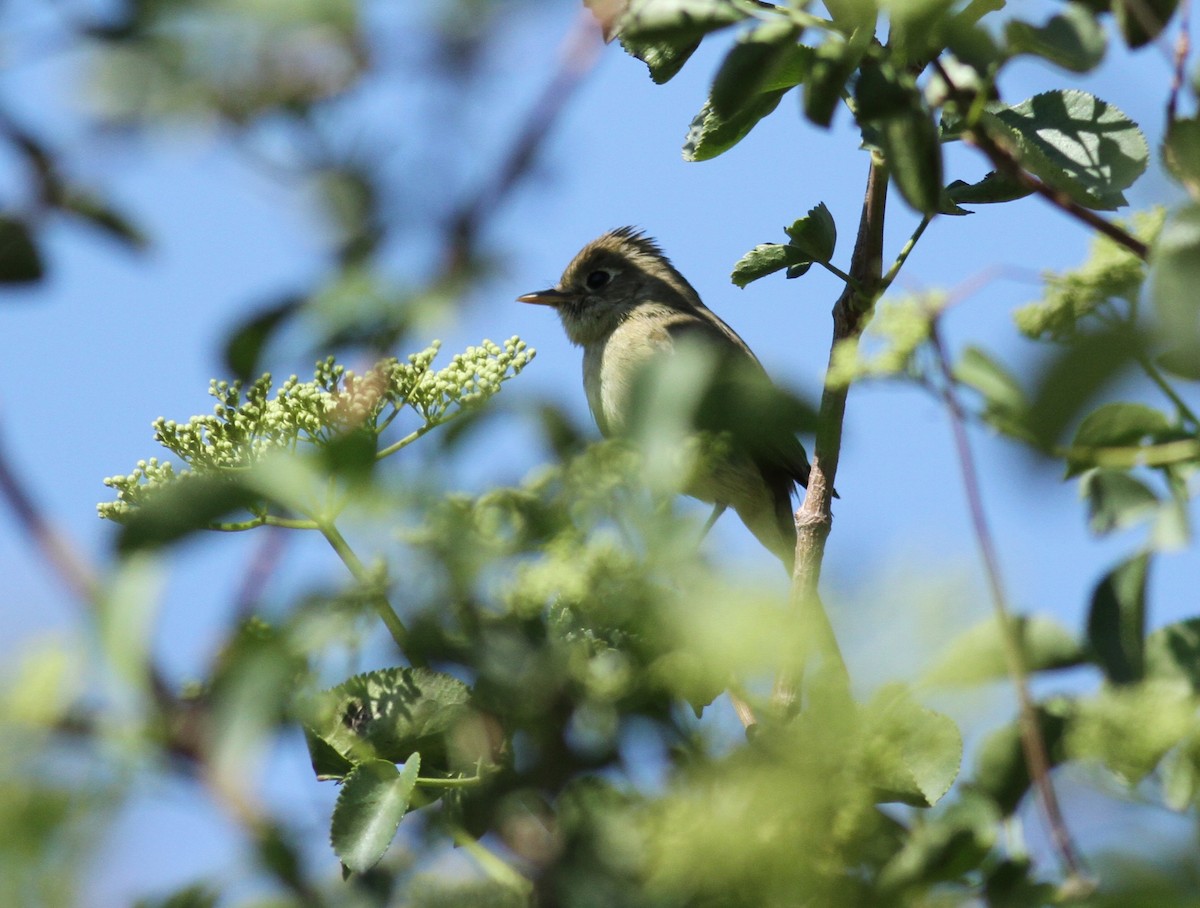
column 608, row 279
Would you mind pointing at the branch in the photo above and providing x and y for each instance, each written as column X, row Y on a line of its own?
column 1032, row 742
column 1007, row 162
column 814, row 518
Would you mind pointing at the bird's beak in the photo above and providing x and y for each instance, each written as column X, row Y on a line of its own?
column 551, row 297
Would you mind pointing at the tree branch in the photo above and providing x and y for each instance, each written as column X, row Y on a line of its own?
column 814, row 518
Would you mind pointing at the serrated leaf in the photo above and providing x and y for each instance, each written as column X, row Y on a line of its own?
column 1075, row 142
column 764, row 259
column 20, row 260
column 913, row 754
column 370, row 806
column 815, row 234
column 389, row 714
column 1117, row 621
column 992, row 189
column 977, row 655
column 664, row 59
column 711, row 134
column 1115, row 500
column 673, row 18
column 1073, row 39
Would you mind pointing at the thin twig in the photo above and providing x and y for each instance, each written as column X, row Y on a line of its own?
column 60, row 554
column 1032, row 742
column 1182, row 48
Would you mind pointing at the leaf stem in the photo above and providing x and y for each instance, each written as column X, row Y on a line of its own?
column 1185, row 412
column 902, row 256
column 383, row 607
column 492, row 865
column 1032, row 742
column 834, row 269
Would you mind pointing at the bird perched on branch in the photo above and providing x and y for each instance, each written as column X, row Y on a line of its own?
column 626, row 305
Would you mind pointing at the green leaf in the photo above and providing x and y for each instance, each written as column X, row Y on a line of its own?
column 663, row 34
column 913, row 150
column 1175, row 275
column 1005, row 404
column 664, row 59
column 20, row 260
column 188, row 505
column 711, row 134
column 943, row 847
column 1130, row 728
column 387, row 714
column 370, row 806
column 977, row 656
column 1115, row 500
column 764, row 259
column 1116, row 626
column 815, row 234
column 1073, row 39
column 244, row 348
column 1001, row 772
column 833, row 64
column 1181, row 153
column 1120, row 424
column 1141, row 21
column 992, row 189
column 913, row 754
column 756, row 62
column 103, row 216
column 1181, row 773
column 1075, row 142
column 1172, row 653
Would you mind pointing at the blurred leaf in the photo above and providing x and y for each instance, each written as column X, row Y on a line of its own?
column 944, row 847
column 992, row 189
column 1120, row 424
column 1172, row 653
column 977, row 655
column 1141, row 21
column 1010, row 884
column 833, row 64
column 126, row 611
column 1117, row 621
column 191, row 504
column 764, row 259
column 913, row 149
column 245, row 344
column 103, row 216
column 1075, row 142
column 1175, row 275
column 1129, row 729
column 1004, row 399
column 815, row 234
column 1073, row 39
column 1001, row 772
column 387, row 714
column 197, row 895
column 20, row 260
column 372, row 802
column 1115, row 500
column 913, row 753
column 1180, row 771
column 1181, row 153
column 756, row 63
column 1182, row 362
column 1072, row 378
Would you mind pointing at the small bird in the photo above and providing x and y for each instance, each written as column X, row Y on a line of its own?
column 626, row 305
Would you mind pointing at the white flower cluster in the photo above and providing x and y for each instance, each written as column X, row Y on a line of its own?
column 248, row 424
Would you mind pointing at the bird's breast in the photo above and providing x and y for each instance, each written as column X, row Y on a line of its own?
column 610, row 367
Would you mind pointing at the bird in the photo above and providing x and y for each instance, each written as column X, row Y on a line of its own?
column 628, row 307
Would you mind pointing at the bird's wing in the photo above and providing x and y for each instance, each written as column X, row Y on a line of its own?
column 760, row 419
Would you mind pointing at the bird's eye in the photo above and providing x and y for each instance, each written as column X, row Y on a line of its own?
column 598, row 279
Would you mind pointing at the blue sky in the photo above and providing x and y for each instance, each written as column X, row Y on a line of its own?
column 113, row 340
